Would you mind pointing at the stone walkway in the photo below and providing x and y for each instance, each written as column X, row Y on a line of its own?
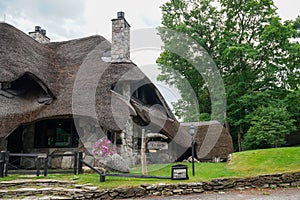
column 44, row 198
column 42, row 189
column 252, row 194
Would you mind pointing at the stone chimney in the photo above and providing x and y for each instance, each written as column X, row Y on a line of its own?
column 120, row 50
column 39, row 35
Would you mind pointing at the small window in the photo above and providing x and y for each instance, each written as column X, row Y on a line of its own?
column 146, row 95
column 56, row 134
column 5, row 86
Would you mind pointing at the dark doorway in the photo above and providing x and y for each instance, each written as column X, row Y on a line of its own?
column 14, row 145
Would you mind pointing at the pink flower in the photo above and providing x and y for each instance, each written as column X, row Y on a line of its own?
column 104, row 148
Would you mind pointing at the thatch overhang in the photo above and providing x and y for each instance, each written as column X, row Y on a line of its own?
column 79, row 81
column 212, row 140
column 20, row 54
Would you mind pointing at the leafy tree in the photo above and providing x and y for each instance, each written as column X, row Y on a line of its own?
column 250, row 47
column 292, row 101
column 270, row 126
column 171, row 62
column 293, row 62
column 296, row 26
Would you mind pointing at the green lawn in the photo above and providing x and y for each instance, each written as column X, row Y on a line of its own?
column 267, row 161
column 243, row 164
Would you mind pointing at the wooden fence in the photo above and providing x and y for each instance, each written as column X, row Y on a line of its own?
column 41, row 161
column 41, row 164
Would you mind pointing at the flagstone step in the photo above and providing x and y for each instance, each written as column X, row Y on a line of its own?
column 21, row 183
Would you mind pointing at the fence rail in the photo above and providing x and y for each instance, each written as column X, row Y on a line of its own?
column 41, row 163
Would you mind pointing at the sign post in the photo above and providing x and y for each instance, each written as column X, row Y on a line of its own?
column 192, row 133
column 143, row 153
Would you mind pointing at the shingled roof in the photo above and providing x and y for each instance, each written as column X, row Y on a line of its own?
column 71, row 73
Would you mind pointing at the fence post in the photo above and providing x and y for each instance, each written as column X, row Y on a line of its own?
column 102, row 177
column 38, row 166
column 46, row 165
column 2, row 161
column 80, row 156
column 6, row 163
column 75, row 162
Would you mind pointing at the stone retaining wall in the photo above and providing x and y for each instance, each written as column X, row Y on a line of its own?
column 69, row 190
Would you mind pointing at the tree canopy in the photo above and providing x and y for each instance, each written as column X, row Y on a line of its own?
column 251, row 48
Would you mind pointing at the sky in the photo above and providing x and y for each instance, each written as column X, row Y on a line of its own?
column 71, row 19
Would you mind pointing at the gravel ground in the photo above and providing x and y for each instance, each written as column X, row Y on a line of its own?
column 250, row 194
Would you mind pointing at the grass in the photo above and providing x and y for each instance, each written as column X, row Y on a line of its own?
column 266, row 161
column 243, row 164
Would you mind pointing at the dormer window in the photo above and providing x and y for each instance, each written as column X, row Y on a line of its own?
column 3, row 88
column 27, row 86
column 146, row 95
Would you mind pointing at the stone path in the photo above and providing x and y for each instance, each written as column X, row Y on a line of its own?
column 41, row 189
column 45, row 198
column 251, row 194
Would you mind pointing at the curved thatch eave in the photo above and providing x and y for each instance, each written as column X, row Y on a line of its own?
column 20, row 54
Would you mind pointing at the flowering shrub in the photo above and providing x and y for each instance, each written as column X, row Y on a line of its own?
column 104, row 148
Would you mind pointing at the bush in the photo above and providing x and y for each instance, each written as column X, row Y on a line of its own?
column 270, row 126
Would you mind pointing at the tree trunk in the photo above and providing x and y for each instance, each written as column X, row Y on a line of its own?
column 240, row 131
column 227, row 127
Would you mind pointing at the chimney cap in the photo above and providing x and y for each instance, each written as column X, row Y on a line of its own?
column 121, row 14
column 37, row 29
column 43, row 32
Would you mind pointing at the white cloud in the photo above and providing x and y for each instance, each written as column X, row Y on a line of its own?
column 68, row 19
column 139, row 14
column 62, row 19
column 288, row 9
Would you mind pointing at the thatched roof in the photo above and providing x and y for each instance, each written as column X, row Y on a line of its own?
column 211, row 140
column 75, row 76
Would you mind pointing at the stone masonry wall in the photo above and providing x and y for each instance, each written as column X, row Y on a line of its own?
column 74, row 191
column 120, row 50
column 39, row 37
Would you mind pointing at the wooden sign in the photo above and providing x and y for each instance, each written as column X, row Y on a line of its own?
column 157, row 145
